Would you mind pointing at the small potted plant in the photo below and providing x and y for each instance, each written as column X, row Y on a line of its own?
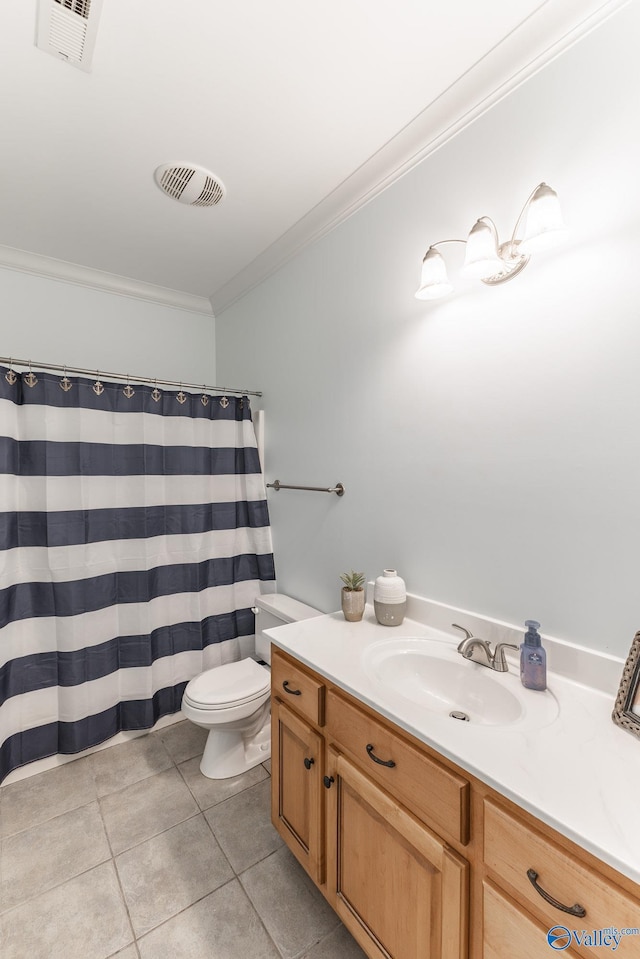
column 353, row 596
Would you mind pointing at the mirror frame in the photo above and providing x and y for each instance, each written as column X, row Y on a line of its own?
column 629, row 692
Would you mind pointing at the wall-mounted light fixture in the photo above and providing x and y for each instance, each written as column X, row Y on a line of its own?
column 486, row 257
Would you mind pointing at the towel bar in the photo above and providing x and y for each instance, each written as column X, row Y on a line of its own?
column 338, row 489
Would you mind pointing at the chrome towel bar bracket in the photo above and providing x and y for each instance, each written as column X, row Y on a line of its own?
column 338, row 489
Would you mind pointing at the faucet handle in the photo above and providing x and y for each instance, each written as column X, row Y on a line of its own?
column 499, row 662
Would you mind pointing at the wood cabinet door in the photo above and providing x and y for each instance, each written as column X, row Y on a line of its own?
column 399, row 889
column 296, row 788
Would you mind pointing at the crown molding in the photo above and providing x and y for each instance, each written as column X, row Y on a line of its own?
column 51, row 268
column 550, row 31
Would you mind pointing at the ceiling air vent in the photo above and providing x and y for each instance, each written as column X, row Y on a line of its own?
column 67, row 29
column 190, row 184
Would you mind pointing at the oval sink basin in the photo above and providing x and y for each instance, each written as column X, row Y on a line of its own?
column 434, row 675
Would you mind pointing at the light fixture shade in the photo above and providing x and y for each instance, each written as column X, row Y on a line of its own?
column 544, row 226
column 481, row 257
column 434, row 282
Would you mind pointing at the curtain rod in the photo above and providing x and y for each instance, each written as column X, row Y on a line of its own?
column 12, row 360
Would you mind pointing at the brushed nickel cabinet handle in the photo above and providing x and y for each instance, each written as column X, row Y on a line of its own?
column 576, row 910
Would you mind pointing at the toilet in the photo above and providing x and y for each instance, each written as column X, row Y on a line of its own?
column 232, row 701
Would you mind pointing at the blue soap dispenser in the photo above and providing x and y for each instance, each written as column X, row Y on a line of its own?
column 533, row 658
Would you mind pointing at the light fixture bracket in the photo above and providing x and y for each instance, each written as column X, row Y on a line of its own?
column 514, row 263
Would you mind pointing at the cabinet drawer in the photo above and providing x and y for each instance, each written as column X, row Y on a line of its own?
column 508, row 931
column 300, row 691
column 512, row 848
column 438, row 796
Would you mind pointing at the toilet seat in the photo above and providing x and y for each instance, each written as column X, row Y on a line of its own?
column 233, row 684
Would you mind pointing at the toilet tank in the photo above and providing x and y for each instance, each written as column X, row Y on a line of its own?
column 276, row 609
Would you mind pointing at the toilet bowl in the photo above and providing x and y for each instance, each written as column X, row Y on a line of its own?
column 232, row 701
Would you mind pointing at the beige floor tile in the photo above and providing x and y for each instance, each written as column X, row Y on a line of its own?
column 84, row 918
column 242, row 826
column 208, row 792
column 294, row 912
column 38, row 859
column 222, row 926
column 146, row 808
column 127, row 763
column 339, row 944
column 183, row 741
column 164, row 875
column 49, row 794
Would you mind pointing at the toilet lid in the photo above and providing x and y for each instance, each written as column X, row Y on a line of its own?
column 231, row 684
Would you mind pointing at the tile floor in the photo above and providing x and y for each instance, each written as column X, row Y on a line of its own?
column 132, row 853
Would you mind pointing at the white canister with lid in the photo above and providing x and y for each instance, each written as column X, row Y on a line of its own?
column 389, row 598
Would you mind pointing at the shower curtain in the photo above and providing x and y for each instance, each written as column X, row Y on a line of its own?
column 134, row 537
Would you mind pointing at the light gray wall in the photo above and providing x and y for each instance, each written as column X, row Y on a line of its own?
column 490, row 442
column 58, row 322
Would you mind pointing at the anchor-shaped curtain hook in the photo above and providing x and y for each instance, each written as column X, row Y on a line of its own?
column 31, row 379
column 11, row 376
column 65, row 382
column 129, row 390
column 181, row 397
column 224, row 402
column 204, row 399
column 97, row 387
column 155, row 393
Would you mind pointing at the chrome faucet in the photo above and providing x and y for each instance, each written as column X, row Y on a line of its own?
column 479, row 651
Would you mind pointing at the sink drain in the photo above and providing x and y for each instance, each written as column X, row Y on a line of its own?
column 457, row 714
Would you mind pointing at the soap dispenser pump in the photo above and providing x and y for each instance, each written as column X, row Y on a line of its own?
column 533, row 658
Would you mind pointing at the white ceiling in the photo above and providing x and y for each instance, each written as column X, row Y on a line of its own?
column 303, row 112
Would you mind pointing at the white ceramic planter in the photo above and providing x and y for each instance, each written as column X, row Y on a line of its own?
column 389, row 598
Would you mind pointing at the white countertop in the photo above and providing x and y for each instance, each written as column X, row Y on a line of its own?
column 580, row 773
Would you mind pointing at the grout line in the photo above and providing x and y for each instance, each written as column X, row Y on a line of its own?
column 57, row 885
column 219, row 845
column 253, row 906
column 234, row 878
column 217, row 803
column 125, row 904
column 154, row 835
column 43, row 822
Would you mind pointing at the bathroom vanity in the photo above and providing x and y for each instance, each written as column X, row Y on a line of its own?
column 421, row 857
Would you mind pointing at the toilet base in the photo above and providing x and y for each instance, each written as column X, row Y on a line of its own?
column 227, row 753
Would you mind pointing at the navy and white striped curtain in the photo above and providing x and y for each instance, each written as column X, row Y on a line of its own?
column 134, row 537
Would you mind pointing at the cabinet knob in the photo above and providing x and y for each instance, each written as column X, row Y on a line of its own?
column 576, row 910
column 308, row 763
column 327, row 780
column 292, row 692
column 381, row 762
